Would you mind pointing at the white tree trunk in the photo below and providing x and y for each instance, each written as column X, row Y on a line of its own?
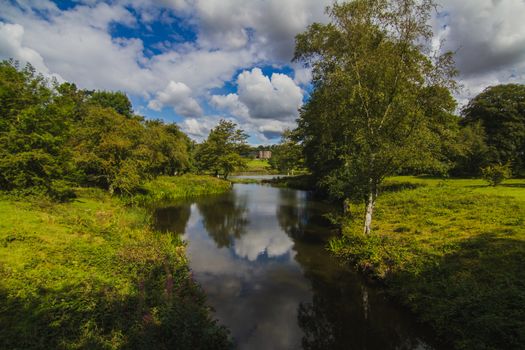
column 369, row 212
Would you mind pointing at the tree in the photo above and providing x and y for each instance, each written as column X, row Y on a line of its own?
column 372, row 110
column 286, row 156
column 168, row 148
column 109, row 150
column 500, row 110
column 116, row 100
column 34, row 128
column 220, row 153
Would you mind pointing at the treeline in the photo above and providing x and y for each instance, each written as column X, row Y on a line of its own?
column 54, row 137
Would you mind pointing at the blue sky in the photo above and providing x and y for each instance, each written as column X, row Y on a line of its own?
column 196, row 61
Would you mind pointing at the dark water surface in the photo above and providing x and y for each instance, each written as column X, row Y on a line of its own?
column 259, row 253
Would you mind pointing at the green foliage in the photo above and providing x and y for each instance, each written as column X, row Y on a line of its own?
column 470, row 153
column 221, row 152
column 52, row 135
column 495, row 174
column 500, row 110
column 287, row 155
column 109, row 150
column 118, row 101
column 379, row 103
column 90, row 274
column 34, row 128
column 453, row 252
column 166, row 188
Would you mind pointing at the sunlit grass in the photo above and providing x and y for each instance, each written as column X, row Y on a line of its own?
column 453, row 251
column 168, row 188
column 92, row 274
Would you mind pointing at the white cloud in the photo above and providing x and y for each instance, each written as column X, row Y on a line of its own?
column 11, row 36
column 265, row 106
column 488, row 37
column 271, row 25
column 178, row 96
column 231, row 103
column 199, row 128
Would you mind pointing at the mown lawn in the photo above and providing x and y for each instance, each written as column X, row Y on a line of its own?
column 92, row 274
column 453, row 251
column 257, row 166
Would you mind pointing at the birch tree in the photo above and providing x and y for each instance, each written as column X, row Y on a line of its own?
column 380, row 92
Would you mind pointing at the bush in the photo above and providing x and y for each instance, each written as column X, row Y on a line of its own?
column 495, row 174
column 61, row 191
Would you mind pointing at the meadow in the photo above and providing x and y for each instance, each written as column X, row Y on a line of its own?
column 452, row 251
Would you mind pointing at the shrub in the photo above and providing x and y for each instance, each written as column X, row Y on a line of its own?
column 495, row 174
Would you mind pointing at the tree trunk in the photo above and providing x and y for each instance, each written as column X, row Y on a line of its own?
column 370, row 203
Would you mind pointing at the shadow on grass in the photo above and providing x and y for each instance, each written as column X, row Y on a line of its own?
column 82, row 317
column 475, row 295
column 400, row 186
column 499, row 186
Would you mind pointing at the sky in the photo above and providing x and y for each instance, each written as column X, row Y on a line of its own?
column 194, row 62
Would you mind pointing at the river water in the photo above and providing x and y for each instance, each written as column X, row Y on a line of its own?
column 259, row 254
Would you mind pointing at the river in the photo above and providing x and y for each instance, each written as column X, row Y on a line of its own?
column 259, row 254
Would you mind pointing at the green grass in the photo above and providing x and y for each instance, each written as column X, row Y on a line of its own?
column 169, row 188
column 453, row 251
column 91, row 274
column 256, row 166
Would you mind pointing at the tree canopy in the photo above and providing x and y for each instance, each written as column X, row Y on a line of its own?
column 500, row 111
column 221, row 152
column 54, row 136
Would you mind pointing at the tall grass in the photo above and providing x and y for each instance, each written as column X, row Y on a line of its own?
column 169, row 188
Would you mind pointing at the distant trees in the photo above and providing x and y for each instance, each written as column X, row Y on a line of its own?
column 53, row 136
column 287, row 155
column 500, row 112
column 221, row 152
column 373, row 108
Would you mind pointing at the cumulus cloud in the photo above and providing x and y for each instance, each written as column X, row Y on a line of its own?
column 178, row 96
column 277, row 97
column 264, row 105
column 11, row 36
column 488, row 38
column 271, row 25
column 199, row 128
column 232, row 104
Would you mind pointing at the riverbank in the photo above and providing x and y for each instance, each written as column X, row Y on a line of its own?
column 169, row 188
column 451, row 250
column 91, row 273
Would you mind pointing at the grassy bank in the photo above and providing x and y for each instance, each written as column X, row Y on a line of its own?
column 256, row 167
column 91, row 274
column 168, row 188
column 454, row 252
column 300, row 182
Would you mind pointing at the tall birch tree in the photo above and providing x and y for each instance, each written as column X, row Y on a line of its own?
column 381, row 95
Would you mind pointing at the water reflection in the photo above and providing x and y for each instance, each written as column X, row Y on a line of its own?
column 259, row 254
column 224, row 217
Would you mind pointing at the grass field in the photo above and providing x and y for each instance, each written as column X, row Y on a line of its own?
column 256, row 166
column 91, row 274
column 451, row 250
